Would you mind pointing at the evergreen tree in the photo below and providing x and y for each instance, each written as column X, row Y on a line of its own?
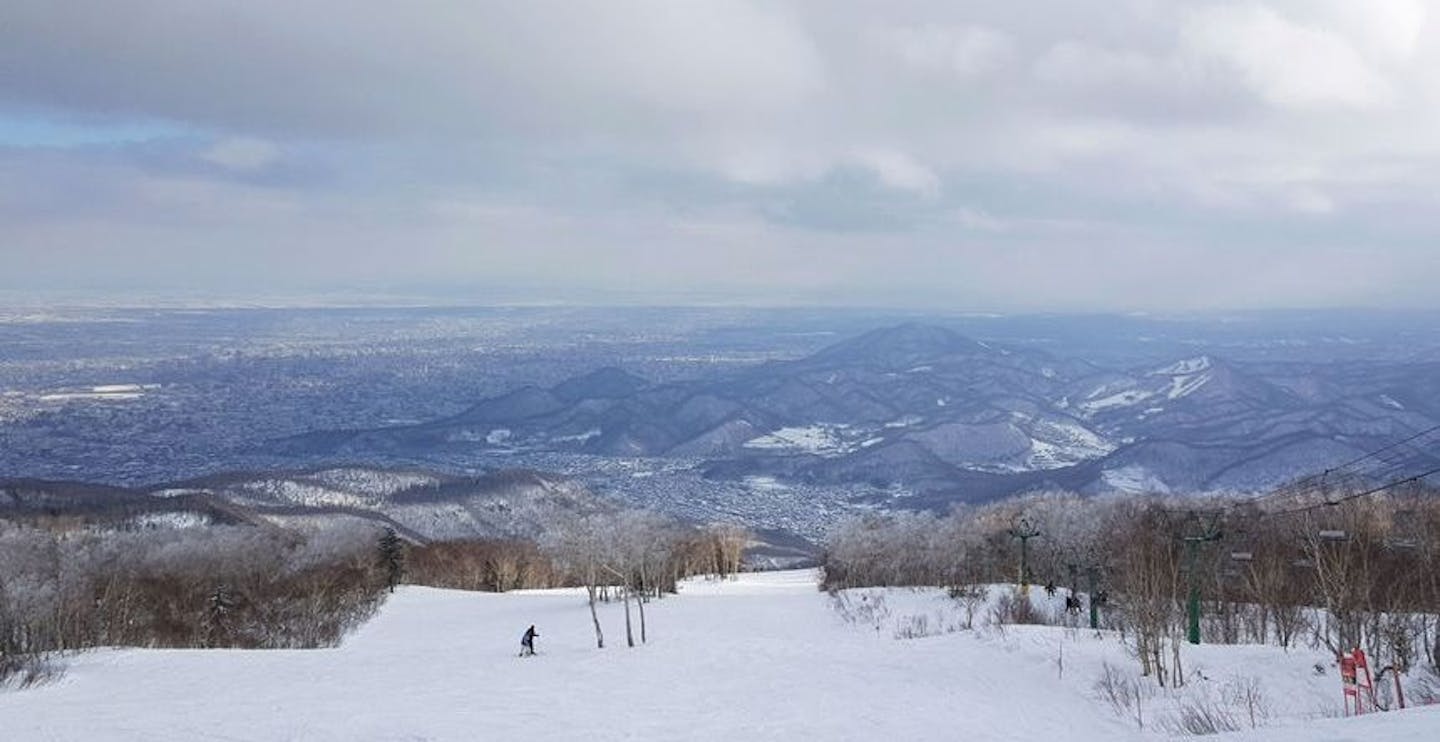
column 392, row 557
column 221, row 603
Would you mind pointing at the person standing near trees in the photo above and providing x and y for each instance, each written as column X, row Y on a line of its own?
column 527, row 642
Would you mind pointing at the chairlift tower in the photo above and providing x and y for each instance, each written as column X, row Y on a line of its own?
column 1024, row 530
column 1209, row 531
column 1092, row 574
column 1091, row 567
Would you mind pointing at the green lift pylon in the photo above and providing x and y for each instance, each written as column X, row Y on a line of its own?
column 1208, row 532
column 1024, row 530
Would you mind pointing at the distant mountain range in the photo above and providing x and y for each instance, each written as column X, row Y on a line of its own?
column 947, row 418
column 420, row 505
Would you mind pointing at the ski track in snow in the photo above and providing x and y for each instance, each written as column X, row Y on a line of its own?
column 766, row 657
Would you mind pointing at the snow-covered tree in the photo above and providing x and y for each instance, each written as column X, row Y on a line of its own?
column 392, row 557
column 580, row 545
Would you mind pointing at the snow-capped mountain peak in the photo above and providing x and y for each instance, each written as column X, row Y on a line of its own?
column 1186, row 367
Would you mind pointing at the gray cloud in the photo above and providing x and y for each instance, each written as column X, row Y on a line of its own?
column 1134, row 154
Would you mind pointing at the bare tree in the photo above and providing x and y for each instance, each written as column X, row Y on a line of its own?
column 648, row 543
column 1340, row 544
column 580, row 545
column 729, row 541
column 1149, row 570
column 1370, row 565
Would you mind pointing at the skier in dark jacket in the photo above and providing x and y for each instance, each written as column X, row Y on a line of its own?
column 527, row 642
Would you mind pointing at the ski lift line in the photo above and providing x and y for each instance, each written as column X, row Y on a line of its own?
column 1318, row 482
column 1337, row 479
column 1355, row 496
column 1347, row 498
column 1389, row 469
column 1396, row 444
column 1338, row 470
column 1389, row 473
column 1217, row 511
column 1315, row 481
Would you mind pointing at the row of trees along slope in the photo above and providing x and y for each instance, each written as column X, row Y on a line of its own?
column 68, row 585
column 1290, row 569
column 632, row 555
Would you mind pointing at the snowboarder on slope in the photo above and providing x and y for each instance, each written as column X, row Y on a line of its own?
column 527, row 642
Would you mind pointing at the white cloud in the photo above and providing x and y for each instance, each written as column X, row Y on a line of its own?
column 242, row 154
column 1311, row 201
column 1388, row 29
column 1112, row 153
column 978, row 219
column 1078, row 63
column 1286, row 63
column 901, row 171
column 964, row 51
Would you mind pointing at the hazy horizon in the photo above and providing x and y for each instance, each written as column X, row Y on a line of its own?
column 480, row 297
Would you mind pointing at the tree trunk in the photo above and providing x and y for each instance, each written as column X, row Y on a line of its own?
column 641, row 604
column 599, row 636
column 1177, row 673
column 629, row 636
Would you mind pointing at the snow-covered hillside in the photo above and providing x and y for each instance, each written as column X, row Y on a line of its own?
column 503, row 503
column 767, row 657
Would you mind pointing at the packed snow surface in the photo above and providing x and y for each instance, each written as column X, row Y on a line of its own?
column 1184, row 386
column 1057, row 443
column 1134, row 478
column 1186, row 376
column 1120, row 399
column 765, row 657
column 822, row 439
column 1185, row 367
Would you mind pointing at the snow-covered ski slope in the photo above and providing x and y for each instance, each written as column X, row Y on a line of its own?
column 765, row 657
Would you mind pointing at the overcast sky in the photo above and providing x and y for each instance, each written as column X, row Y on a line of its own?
column 1089, row 155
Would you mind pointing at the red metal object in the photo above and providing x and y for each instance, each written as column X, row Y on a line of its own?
column 1361, row 663
column 1356, row 682
column 1347, row 685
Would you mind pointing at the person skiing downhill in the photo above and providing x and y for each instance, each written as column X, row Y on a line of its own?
column 527, row 642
